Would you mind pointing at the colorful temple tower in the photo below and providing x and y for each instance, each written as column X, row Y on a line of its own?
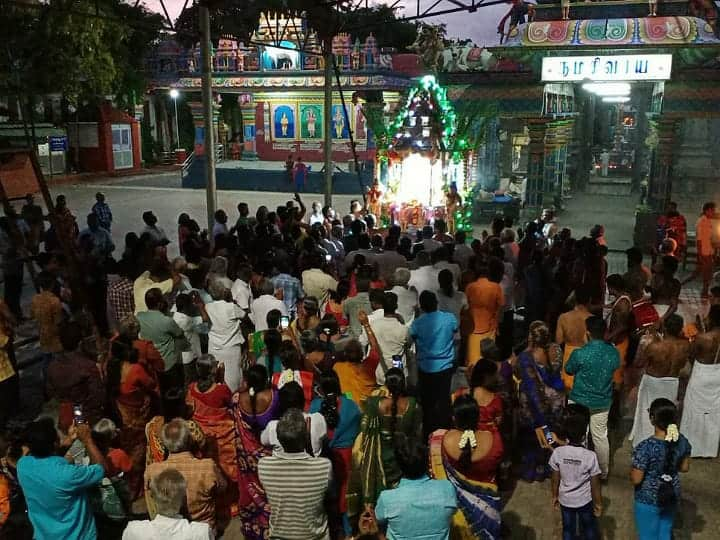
column 277, row 82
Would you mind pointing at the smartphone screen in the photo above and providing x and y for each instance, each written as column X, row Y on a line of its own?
column 78, row 414
column 284, row 322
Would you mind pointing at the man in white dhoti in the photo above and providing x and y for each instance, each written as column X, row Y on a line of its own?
column 225, row 338
column 662, row 359
column 701, row 410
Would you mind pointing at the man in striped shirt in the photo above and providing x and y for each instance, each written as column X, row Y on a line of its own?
column 295, row 484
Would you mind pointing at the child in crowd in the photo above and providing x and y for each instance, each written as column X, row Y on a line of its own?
column 575, row 484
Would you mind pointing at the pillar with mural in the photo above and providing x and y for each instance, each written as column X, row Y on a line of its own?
column 198, row 121
column 248, row 111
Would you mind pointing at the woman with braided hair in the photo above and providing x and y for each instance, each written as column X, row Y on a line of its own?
column 373, row 457
column 342, row 417
column 252, row 410
column 469, row 458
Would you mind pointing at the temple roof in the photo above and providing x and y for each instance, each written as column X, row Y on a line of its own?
column 614, row 33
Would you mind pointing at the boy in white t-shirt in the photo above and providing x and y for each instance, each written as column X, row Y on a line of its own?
column 576, row 481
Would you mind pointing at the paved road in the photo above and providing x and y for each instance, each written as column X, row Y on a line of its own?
column 528, row 511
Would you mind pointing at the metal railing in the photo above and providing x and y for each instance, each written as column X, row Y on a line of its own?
column 186, row 164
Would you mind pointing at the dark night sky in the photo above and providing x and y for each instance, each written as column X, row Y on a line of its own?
column 479, row 26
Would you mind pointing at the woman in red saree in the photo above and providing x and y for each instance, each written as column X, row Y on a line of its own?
column 134, row 392
column 253, row 409
column 210, row 402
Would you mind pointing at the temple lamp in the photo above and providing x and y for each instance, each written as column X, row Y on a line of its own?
column 174, row 94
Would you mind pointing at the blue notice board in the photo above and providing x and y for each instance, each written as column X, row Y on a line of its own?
column 58, row 143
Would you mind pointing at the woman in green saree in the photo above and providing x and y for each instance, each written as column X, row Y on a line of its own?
column 386, row 417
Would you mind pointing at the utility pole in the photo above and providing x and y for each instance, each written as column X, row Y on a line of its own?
column 327, row 121
column 205, row 47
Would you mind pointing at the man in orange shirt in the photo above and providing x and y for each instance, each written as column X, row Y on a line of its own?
column 705, row 248
column 486, row 301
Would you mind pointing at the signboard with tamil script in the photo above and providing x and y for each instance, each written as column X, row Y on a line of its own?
column 627, row 67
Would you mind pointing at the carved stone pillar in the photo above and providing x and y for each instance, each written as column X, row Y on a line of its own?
column 537, row 129
column 660, row 186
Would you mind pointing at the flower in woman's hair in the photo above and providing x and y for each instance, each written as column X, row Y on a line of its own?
column 468, row 436
column 286, row 376
column 251, row 391
column 672, row 433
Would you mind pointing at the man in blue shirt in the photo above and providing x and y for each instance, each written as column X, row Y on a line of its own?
column 434, row 333
column 419, row 508
column 593, row 366
column 55, row 490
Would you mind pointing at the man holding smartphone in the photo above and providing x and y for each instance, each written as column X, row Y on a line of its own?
column 55, row 490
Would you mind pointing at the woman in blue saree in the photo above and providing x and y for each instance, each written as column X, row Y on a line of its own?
column 541, row 397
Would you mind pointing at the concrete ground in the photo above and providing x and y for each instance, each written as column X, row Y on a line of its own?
column 528, row 512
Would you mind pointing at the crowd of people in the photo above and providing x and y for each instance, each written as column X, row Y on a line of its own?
column 311, row 376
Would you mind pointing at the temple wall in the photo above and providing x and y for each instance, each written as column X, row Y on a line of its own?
column 696, row 164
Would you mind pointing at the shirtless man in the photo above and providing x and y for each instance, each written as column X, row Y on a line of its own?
column 662, row 359
column 571, row 331
column 701, row 409
column 667, row 356
column 706, row 345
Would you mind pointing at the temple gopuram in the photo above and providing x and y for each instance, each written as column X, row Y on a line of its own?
column 618, row 97
column 278, row 84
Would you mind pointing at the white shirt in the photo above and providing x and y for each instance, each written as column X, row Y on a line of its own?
column 242, row 294
column 318, row 432
column 262, row 306
column 392, row 337
column 407, row 303
column 462, row 254
column 316, row 218
column 452, row 304
column 424, row 278
column 167, row 528
column 192, row 327
column 225, row 318
column 454, row 268
column 155, row 232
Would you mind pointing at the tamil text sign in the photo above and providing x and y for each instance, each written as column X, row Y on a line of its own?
column 628, row 67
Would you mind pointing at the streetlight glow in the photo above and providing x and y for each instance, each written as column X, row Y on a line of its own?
column 174, row 94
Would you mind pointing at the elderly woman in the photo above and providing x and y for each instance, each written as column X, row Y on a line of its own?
column 168, row 491
column 218, row 271
column 225, row 338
